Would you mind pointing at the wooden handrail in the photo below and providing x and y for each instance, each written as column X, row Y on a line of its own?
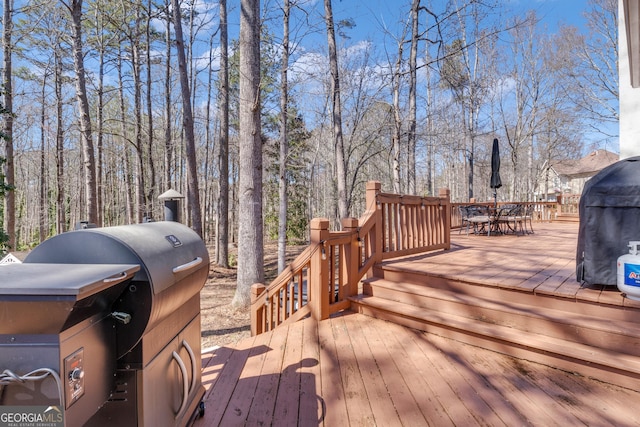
column 265, row 311
column 321, row 279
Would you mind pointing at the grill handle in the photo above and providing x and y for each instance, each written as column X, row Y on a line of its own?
column 117, row 278
column 185, row 386
column 187, row 266
column 194, row 373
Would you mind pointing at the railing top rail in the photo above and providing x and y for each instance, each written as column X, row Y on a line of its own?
column 408, row 199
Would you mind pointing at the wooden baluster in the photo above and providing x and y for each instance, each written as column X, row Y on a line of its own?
column 351, row 263
column 445, row 193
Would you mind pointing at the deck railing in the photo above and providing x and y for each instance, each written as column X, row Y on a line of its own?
column 569, row 204
column 322, row 278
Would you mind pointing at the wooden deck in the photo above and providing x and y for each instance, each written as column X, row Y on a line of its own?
column 357, row 370
column 542, row 263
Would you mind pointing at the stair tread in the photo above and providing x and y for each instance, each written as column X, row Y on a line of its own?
column 592, row 355
column 559, row 316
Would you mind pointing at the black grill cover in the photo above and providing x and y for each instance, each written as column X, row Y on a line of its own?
column 609, row 220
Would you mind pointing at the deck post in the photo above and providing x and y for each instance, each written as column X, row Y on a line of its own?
column 257, row 309
column 445, row 193
column 351, row 255
column 373, row 189
column 318, row 289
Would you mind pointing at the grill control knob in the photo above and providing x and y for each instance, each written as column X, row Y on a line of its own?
column 76, row 374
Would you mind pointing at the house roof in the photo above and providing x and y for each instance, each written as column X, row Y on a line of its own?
column 586, row 166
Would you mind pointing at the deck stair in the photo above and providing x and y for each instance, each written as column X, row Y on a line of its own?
column 598, row 341
column 567, row 218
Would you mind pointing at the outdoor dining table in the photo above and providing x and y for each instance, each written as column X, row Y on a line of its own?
column 494, row 219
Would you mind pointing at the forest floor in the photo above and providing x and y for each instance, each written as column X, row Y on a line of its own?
column 223, row 325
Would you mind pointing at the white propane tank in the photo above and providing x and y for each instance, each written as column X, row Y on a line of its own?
column 629, row 272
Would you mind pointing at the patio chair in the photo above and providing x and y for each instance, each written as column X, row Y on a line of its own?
column 464, row 219
column 512, row 216
column 528, row 216
column 481, row 218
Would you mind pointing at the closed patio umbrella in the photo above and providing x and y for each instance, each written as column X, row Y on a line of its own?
column 496, row 182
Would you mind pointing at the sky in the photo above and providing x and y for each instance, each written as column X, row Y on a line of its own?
column 372, row 15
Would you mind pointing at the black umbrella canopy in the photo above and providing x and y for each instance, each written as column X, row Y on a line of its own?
column 496, row 182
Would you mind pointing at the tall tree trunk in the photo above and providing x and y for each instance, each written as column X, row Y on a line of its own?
column 336, row 109
column 411, row 135
column 187, row 121
column 61, row 223
column 189, row 52
column 99, row 115
column 397, row 121
column 88, row 159
column 141, row 188
column 43, row 217
column 429, row 119
column 250, row 225
column 150, row 196
column 284, row 118
column 7, row 130
column 168, row 138
column 208, row 185
column 222, row 233
column 125, row 143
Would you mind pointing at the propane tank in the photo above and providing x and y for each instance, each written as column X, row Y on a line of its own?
column 629, row 272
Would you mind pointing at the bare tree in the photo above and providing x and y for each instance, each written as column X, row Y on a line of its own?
column 396, row 79
column 593, row 70
column 43, row 153
column 519, row 110
column 129, row 202
column 168, row 138
column 88, row 157
column 411, row 132
column 100, row 41
column 284, row 118
column 60, row 200
column 250, row 223
column 336, row 110
column 463, row 71
column 150, row 195
column 222, row 234
column 187, row 121
column 7, row 129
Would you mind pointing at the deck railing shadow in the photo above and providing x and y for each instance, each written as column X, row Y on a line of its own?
column 321, row 279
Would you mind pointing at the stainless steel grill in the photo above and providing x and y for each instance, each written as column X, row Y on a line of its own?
column 115, row 312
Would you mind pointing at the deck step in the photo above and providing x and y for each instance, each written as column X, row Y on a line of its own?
column 608, row 351
column 576, row 326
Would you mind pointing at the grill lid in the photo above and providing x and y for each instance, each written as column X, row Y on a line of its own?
column 166, row 251
column 51, row 280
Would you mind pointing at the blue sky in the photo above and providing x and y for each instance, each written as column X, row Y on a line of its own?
column 371, row 14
